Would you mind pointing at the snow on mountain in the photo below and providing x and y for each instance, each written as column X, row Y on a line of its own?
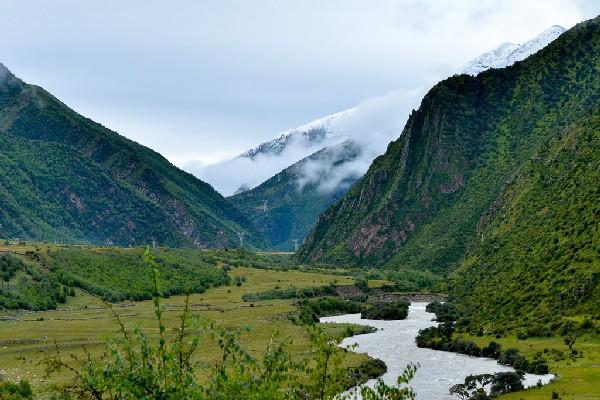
column 315, row 133
column 372, row 124
column 507, row 54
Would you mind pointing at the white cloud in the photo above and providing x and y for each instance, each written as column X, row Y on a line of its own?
column 375, row 123
column 229, row 175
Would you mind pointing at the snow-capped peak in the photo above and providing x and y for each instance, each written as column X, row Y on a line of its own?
column 507, row 54
column 315, row 133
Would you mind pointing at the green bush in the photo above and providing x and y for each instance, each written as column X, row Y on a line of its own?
column 309, row 311
column 387, row 311
column 15, row 391
column 440, row 338
column 291, row 293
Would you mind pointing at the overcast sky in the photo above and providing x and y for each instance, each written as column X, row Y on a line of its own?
column 205, row 80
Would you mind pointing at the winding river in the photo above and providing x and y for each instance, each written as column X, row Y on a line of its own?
column 394, row 343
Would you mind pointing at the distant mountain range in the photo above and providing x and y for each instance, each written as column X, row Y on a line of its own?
column 292, row 218
column 65, row 178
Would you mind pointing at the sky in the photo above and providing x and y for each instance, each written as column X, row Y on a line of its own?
column 202, row 81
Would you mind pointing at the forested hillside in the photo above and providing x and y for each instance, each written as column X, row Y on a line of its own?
column 419, row 203
column 285, row 207
column 536, row 257
column 64, row 177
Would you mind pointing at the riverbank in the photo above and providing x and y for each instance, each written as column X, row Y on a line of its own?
column 394, row 343
column 578, row 378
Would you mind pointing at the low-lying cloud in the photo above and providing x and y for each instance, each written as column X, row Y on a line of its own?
column 229, row 176
column 375, row 123
column 370, row 127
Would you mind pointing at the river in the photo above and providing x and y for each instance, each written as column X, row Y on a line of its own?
column 394, row 344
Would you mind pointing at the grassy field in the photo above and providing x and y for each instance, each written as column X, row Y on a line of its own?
column 84, row 320
column 578, row 378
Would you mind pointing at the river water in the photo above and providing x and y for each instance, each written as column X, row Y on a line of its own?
column 394, row 344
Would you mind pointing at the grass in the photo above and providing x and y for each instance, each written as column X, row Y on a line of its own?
column 85, row 321
column 578, row 378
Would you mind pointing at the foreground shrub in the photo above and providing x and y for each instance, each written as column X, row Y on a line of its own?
column 15, row 391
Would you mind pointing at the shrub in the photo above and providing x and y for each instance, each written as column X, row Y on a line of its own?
column 492, row 350
column 309, row 311
column 16, row 391
column 362, row 284
column 444, row 312
column 386, row 311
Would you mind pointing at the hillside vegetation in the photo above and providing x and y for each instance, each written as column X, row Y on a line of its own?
column 419, row 204
column 40, row 280
column 536, row 258
column 294, row 202
column 64, row 177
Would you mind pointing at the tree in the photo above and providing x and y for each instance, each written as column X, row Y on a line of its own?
column 446, row 329
column 460, row 390
column 362, row 284
column 492, row 350
column 474, row 387
column 569, row 335
column 480, row 394
column 506, row 382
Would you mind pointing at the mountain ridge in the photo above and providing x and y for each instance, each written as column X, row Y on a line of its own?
column 508, row 53
column 160, row 202
column 419, row 202
column 330, row 169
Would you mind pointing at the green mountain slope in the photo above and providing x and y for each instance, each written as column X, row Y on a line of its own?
column 64, row 177
column 419, row 203
column 292, row 208
column 537, row 255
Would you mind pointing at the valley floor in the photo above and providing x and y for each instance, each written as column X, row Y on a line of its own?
column 26, row 339
column 85, row 321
